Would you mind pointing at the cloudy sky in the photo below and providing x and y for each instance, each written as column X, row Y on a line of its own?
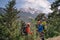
column 43, row 5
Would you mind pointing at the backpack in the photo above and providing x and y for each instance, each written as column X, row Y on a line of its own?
column 24, row 31
column 45, row 25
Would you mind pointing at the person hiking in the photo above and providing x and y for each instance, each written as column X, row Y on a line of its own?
column 44, row 23
column 23, row 27
column 28, row 31
column 40, row 29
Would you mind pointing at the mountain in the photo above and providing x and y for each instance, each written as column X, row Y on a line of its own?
column 2, row 11
column 27, row 14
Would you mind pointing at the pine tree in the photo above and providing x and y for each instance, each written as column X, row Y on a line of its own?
column 11, row 13
column 10, row 30
column 40, row 16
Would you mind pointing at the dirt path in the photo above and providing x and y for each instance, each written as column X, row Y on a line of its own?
column 55, row 38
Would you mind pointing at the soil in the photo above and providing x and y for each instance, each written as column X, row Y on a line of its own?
column 54, row 38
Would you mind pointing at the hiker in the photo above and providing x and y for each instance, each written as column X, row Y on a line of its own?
column 28, row 31
column 44, row 23
column 40, row 29
column 23, row 26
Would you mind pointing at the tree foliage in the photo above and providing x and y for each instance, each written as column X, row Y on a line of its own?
column 8, row 22
column 53, row 20
column 40, row 16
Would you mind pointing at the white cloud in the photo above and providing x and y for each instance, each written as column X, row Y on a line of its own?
column 47, row 11
column 59, row 7
column 37, row 4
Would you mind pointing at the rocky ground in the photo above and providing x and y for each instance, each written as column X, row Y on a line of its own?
column 54, row 38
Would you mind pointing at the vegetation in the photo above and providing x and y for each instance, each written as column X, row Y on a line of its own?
column 8, row 23
column 53, row 20
column 40, row 16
